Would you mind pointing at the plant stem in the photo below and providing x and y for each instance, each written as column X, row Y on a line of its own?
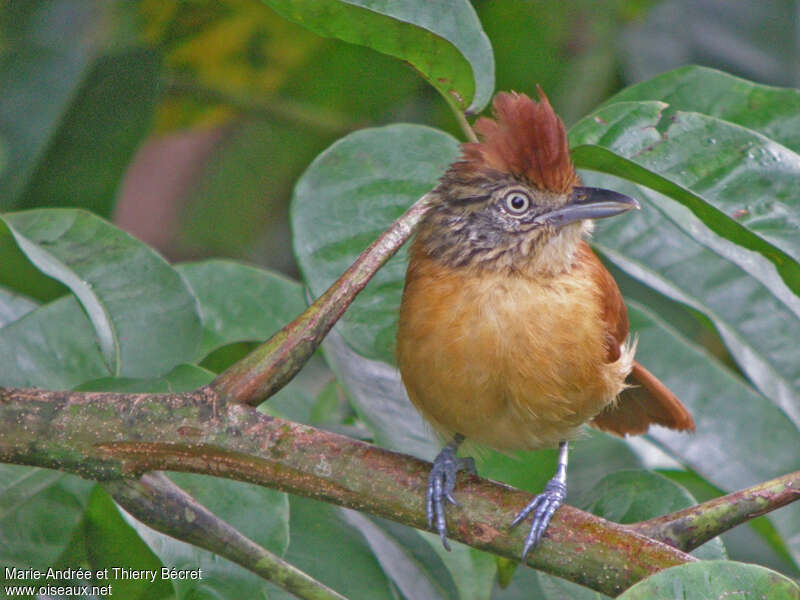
column 273, row 364
column 461, row 118
column 158, row 502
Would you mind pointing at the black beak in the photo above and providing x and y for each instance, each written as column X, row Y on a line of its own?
column 589, row 203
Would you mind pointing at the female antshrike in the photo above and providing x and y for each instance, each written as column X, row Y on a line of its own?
column 512, row 333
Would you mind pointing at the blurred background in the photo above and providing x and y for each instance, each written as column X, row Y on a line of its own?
column 207, row 111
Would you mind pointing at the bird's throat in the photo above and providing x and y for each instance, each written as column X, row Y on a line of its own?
column 542, row 254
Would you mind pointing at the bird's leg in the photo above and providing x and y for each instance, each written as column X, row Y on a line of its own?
column 545, row 504
column 441, row 482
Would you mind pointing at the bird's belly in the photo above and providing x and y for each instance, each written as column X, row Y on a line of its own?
column 508, row 362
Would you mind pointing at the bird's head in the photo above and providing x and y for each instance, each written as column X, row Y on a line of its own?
column 513, row 200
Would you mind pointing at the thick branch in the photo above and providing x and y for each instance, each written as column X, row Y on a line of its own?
column 155, row 500
column 106, row 436
column 273, row 364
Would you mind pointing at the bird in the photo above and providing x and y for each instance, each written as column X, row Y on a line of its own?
column 512, row 334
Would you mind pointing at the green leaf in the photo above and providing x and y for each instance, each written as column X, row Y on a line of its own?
column 771, row 111
column 97, row 136
column 13, row 306
column 666, row 247
column 473, row 571
column 40, row 75
column 40, row 510
column 714, row 580
column 143, row 313
column 591, row 457
column 239, row 303
column 250, row 163
column 259, row 513
column 406, row 557
column 632, row 496
column 444, row 42
column 740, row 184
column 345, row 199
column 380, row 400
column 221, row 578
column 529, row 583
column 113, row 544
column 52, row 347
column 350, row 568
column 183, row 378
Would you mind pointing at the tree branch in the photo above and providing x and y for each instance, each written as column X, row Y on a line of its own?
column 273, row 364
column 107, row 436
column 158, row 502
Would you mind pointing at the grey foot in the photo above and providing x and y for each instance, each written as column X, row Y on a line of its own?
column 441, row 481
column 542, row 506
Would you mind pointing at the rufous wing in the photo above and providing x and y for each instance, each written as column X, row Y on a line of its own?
column 647, row 401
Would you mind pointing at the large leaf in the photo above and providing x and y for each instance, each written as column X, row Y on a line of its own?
column 261, row 304
column 714, row 580
column 771, row 111
column 345, row 199
column 40, row 511
column 654, row 245
column 143, row 313
column 349, row 566
column 406, row 557
column 259, row 513
column 97, row 136
column 529, row 583
column 380, row 399
column 739, row 183
column 183, row 378
column 443, row 41
column 110, row 543
column 13, row 306
column 52, row 347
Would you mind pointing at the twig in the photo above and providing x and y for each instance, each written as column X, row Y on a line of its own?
column 689, row 528
column 273, row 364
column 158, row 502
column 461, row 118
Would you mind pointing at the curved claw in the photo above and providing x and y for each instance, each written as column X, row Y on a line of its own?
column 543, row 506
column 441, row 483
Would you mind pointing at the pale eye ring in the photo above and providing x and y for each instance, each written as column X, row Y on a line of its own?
column 517, row 203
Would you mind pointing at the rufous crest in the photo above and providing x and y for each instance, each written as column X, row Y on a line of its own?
column 525, row 138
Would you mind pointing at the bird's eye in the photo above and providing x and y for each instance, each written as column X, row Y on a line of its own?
column 517, row 203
